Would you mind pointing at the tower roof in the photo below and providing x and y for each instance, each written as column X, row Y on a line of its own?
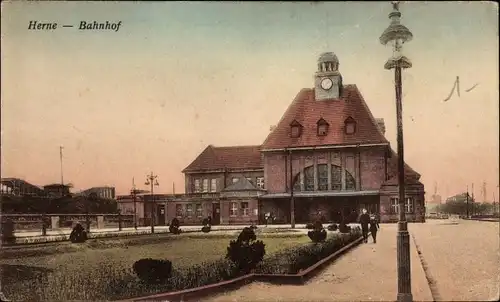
column 328, row 57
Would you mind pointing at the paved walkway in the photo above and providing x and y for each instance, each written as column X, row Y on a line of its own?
column 463, row 258
column 366, row 273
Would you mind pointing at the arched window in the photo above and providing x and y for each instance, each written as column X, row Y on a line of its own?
column 322, row 177
column 350, row 126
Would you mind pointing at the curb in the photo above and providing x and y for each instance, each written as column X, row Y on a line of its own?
column 430, row 280
column 194, row 294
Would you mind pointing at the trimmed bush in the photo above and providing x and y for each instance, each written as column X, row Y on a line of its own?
column 174, row 227
column 344, row 228
column 207, row 221
column 333, row 227
column 318, row 234
column 206, row 229
column 8, row 232
column 78, row 234
column 153, row 270
column 246, row 252
column 295, row 259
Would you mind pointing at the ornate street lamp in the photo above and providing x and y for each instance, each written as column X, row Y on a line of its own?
column 151, row 180
column 398, row 34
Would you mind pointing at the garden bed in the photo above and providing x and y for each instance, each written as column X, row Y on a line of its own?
column 102, row 269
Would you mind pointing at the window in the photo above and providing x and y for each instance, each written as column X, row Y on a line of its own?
column 309, row 178
column 336, row 178
column 178, row 210
column 189, row 210
column 350, row 182
column 296, row 129
column 322, row 177
column 260, row 183
column 199, row 210
column 213, row 185
column 205, row 185
column 233, row 210
column 245, row 211
column 235, row 180
column 322, row 127
column 395, row 205
column 197, row 188
column 350, row 125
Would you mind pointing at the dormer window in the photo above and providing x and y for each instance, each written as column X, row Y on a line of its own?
column 322, row 127
column 350, row 126
column 296, row 129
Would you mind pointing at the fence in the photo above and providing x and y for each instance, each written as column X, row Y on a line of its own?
column 37, row 222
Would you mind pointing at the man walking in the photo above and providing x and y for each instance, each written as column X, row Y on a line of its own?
column 374, row 227
column 364, row 219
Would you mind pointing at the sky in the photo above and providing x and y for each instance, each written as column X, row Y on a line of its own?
column 178, row 76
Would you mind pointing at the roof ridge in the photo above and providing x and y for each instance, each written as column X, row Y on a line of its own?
column 370, row 114
column 236, row 146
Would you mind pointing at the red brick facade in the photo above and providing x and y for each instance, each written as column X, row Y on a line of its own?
column 327, row 151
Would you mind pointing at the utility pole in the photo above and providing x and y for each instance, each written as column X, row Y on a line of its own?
column 473, row 205
column 467, row 200
column 397, row 34
column 152, row 180
column 134, row 196
column 61, row 159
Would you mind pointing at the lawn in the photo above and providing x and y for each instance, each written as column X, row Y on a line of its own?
column 80, row 272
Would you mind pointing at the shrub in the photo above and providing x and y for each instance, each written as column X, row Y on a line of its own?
column 246, row 252
column 333, row 227
column 152, row 270
column 317, row 235
column 206, row 229
column 318, row 225
column 174, row 227
column 309, row 226
column 78, row 234
column 207, row 221
column 295, row 259
column 344, row 228
column 8, row 232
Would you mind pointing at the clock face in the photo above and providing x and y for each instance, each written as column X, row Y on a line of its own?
column 326, row 83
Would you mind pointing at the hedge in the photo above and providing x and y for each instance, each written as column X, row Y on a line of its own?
column 289, row 261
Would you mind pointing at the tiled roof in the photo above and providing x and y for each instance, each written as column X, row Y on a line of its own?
column 392, row 167
column 231, row 158
column 307, row 111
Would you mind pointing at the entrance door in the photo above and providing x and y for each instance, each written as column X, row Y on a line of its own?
column 216, row 213
column 161, row 214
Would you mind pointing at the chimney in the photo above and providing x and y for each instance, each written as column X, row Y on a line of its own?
column 272, row 127
column 381, row 125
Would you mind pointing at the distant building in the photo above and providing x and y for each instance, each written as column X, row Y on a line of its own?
column 57, row 190
column 99, row 192
column 19, row 187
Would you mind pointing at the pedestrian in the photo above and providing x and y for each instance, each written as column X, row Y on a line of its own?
column 364, row 220
column 374, row 227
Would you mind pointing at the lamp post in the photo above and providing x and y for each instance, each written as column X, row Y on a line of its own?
column 152, row 180
column 399, row 34
column 133, row 192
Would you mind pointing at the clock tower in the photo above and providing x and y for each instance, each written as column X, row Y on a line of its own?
column 327, row 80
